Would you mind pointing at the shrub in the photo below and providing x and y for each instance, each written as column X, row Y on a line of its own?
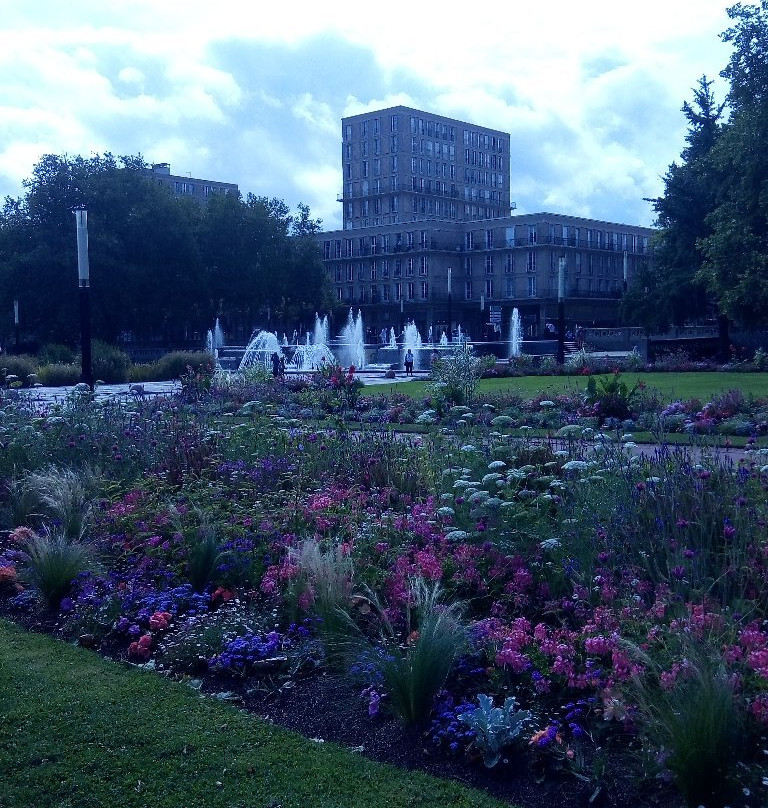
column 414, row 672
column 696, row 725
column 58, row 374
column 62, row 495
column 52, row 564
column 145, row 372
column 22, row 366
column 176, row 364
column 54, row 354
column 109, row 364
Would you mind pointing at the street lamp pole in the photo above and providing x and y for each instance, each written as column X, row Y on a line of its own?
column 450, row 329
column 16, row 321
column 561, row 311
column 83, row 274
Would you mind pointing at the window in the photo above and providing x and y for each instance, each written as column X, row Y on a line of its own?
column 364, row 149
column 468, row 266
column 339, row 293
column 409, row 267
column 365, row 168
column 394, row 164
column 424, row 290
column 509, row 287
column 326, row 250
column 376, row 126
column 350, row 273
column 489, row 239
column 532, row 286
column 509, row 263
column 531, row 267
column 394, row 143
column 411, row 291
column 468, row 290
column 489, row 287
column 338, row 274
column 374, row 271
column 578, row 263
column 409, row 238
column 348, row 132
column 510, row 237
column 469, row 240
column 376, row 167
column 398, row 291
column 364, row 128
column 385, row 293
column 531, row 233
column 394, row 123
column 350, row 293
column 489, row 264
column 398, row 268
column 385, row 267
column 423, row 267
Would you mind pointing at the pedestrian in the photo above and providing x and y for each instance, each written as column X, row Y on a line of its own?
column 275, row 365
column 281, row 368
column 408, row 362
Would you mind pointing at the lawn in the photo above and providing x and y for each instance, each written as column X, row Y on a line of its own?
column 79, row 731
column 670, row 386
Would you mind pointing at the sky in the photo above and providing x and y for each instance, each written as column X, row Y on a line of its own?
column 254, row 92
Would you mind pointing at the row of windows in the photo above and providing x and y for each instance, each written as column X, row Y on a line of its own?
column 491, row 178
column 475, row 158
column 422, row 166
column 372, row 126
column 488, row 289
column 481, row 140
column 383, row 294
column 391, row 204
column 430, row 128
column 591, row 264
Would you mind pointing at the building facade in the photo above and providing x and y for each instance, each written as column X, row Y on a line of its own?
column 197, row 189
column 402, row 165
column 429, row 236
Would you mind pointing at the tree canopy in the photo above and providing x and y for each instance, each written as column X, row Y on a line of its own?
column 712, row 248
column 162, row 267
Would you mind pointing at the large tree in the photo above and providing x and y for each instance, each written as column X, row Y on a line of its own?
column 162, row 267
column 735, row 250
column 672, row 291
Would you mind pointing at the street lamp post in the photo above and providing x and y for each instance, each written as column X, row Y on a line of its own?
column 83, row 274
column 561, row 311
column 450, row 329
column 16, row 322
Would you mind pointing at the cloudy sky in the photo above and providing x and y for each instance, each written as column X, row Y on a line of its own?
column 254, row 92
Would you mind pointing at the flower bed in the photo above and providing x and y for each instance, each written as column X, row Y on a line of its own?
column 621, row 602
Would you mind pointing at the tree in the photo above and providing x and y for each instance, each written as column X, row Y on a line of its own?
column 736, row 247
column 673, row 290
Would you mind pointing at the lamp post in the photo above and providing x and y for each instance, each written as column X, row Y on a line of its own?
column 16, row 321
column 450, row 329
column 83, row 274
column 561, row 311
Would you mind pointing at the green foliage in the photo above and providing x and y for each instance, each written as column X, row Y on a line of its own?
column 54, row 353
column 413, row 672
column 109, row 364
column 325, row 578
column 58, row 375
column 455, row 376
column 51, row 564
column 176, row 364
column 62, row 495
column 495, row 727
column 21, row 366
column 612, row 397
column 696, row 726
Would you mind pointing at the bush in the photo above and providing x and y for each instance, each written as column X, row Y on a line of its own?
column 174, row 365
column 144, row 372
column 52, row 564
column 22, row 366
column 58, row 374
column 110, row 365
column 54, row 354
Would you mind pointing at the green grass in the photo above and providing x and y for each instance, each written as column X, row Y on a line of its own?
column 670, row 386
column 80, row 732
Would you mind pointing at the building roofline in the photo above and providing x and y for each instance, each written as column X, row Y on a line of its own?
column 427, row 113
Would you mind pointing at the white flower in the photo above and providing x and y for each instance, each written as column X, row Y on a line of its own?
column 445, row 512
column 497, row 464
column 456, row 535
column 550, row 544
column 468, row 447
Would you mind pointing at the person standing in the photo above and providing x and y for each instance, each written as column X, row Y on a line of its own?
column 275, row 365
column 408, row 362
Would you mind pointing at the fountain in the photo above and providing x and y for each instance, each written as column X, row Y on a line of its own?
column 259, row 350
column 515, row 334
column 321, row 330
column 412, row 340
column 214, row 341
column 312, row 356
column 443, row 339
column 351, row 346
column 392, row 339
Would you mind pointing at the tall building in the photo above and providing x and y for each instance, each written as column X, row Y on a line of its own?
column 197, row 189
column 401, row 164
column 428, row 236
